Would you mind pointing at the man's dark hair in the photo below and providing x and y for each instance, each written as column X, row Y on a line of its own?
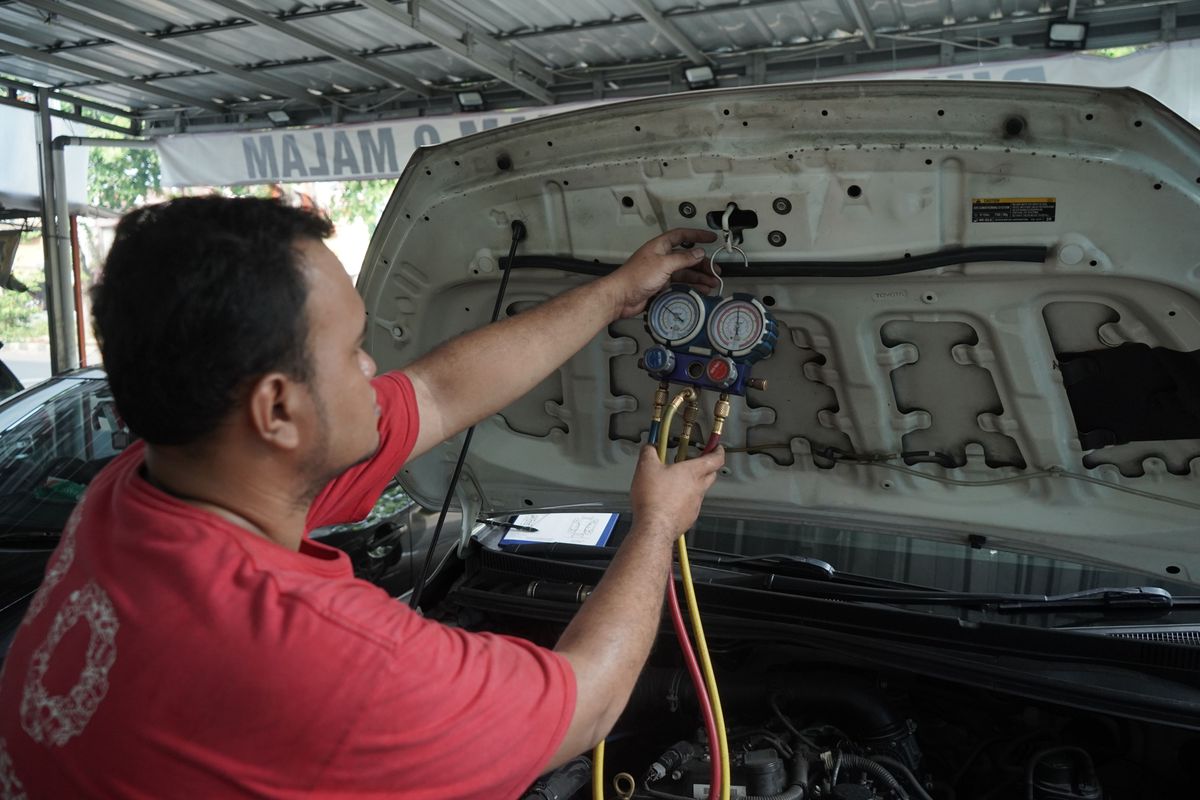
column 200, row 296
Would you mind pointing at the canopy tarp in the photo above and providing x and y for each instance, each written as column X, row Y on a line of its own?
column 380, row 150
column 20, row 184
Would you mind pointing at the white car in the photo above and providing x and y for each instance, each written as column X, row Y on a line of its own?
column 954, row 552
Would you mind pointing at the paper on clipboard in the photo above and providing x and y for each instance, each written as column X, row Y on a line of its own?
column 586, row 529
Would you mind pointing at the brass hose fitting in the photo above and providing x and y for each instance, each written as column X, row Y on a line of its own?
column 690, row 413
column 660, row 401
column 684, row 396
column 720, row 414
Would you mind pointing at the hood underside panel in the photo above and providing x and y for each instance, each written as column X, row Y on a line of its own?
column 988, row 298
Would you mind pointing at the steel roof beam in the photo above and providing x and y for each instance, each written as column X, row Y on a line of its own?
column 104, row 75
column 506, row 52
column 858, row 10
column 467, row 51
column 141, row 41
column 393, row 76
column 670, row 30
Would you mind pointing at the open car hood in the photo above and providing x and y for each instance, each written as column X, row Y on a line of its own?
column 1044, row 398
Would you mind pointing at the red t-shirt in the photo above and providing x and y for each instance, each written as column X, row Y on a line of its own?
column 169, row 653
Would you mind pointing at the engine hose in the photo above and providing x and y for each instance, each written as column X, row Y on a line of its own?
column 877, row 771
column 1089, row 767
column 790, row 793
column 796, row 791
column 894, row 764
column 519, row 232
column 799, row 786
column 562, row 783
column 862, row 709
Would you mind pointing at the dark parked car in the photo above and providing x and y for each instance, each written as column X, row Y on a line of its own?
column 56, row 436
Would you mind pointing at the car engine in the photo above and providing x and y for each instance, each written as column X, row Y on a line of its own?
column 810, row 729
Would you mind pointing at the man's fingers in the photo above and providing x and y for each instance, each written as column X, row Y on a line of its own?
column 677, row 236
column 709, row 463
column 648, row 455
column 695, row 277
column 677, row 261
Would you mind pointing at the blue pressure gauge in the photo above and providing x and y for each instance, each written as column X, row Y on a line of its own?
column 676, row 317
column 707, row 342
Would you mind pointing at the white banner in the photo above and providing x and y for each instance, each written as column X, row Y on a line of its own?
column 380, row 150
column 1167, row 73
column 334, row 153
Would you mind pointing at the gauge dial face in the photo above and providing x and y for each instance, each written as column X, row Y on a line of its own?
column 675, row 317
column 736, row 327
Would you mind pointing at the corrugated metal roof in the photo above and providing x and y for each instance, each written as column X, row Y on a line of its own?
column 164, row 60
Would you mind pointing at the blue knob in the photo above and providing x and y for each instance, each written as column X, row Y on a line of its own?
column 659, row 360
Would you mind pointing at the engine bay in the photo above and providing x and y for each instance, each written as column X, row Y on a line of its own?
column 801, row 726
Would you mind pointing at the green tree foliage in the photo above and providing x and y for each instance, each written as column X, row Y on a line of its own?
column 22, row 314
column 120, row 178
column 361, row 201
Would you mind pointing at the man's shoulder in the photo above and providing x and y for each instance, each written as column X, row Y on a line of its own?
column 162, row 553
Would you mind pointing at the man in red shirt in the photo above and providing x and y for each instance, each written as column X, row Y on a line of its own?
column 189, row 639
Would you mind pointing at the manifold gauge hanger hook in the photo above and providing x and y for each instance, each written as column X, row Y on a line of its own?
column 712, row 265
column 727, row 247
column 725, row 230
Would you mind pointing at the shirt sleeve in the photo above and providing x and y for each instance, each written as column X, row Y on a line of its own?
column 350, row 496
column 455, row 715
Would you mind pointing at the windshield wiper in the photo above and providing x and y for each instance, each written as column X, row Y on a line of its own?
column 803, row 576
column 1114, row 599
column 1103, row 600
column 777, row 563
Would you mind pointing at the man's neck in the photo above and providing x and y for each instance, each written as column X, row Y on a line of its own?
column 237, row 487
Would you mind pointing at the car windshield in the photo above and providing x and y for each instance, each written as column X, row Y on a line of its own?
column 55, row 440
column 970, row 564
column 888, row 556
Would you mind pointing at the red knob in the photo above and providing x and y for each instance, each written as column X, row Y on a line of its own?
column 721, row 371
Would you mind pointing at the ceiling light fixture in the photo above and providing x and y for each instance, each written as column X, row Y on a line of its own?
column 1066, row 34
column 701, row 77
column 469, row 101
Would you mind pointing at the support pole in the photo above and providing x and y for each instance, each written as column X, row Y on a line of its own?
column 77, row 273
column 60, row 299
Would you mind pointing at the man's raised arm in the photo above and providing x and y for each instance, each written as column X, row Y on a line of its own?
column 513, row 355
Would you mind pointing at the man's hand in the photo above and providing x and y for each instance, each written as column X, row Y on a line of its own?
column 657, row 263
column 607, row 642
column 667, row 497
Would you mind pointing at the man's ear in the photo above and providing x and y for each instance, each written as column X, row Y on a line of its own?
column 276, row 407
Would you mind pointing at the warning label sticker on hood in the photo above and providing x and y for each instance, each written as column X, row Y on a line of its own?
column 1013, row 209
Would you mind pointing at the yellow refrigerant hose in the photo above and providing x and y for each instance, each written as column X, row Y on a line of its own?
column 598, row 771
column 710, row 679
column 689, row 592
